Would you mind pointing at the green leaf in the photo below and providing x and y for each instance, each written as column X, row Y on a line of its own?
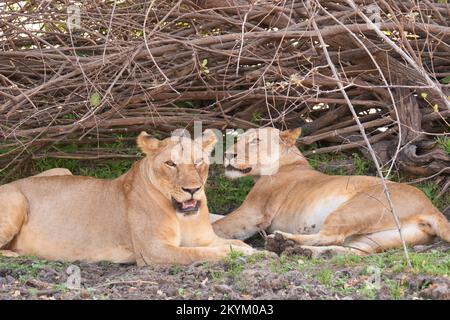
column 424, row 95
column 445, row 80
column 95, row 100
column 203, row 67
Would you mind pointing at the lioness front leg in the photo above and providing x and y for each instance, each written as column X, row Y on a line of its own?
column 227, row 242
column 242, row 223
column 170, row 254
column 318, row 239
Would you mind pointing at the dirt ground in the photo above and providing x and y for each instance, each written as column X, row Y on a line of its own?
column 382, row 276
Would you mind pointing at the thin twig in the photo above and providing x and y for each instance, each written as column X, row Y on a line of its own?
column 363, row 133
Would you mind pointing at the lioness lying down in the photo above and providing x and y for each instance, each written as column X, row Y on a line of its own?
column 154, row 213
column 323, row 213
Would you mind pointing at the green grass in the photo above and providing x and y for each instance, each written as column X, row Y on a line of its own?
column 106, row 169
column 283, row 264
column 25, row 268
column 325, row 276
column 225, row 195
column 361, row 164
column 216, row 276
column 176, row 269
column 234, row 264
column 433, row 263
column 340, row 163
column 444, row 143
column 317, row 161
column 349, row 274
column 432, row 190
column 344, row 275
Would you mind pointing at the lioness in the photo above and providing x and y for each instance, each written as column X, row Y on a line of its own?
column 154, row 213
column 324, row 213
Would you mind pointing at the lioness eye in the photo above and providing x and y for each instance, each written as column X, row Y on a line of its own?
column 255, row 140
column 170, row 163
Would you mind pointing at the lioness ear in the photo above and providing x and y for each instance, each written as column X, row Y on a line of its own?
column 290, row 136
column 208, row 140
column 147, row 143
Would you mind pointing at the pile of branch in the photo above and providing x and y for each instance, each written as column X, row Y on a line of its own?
column 161, row 65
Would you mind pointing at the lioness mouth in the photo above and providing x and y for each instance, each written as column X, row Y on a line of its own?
column 187, row 207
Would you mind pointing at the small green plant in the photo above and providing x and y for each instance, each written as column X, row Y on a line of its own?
column 32, row 291
column 368, row 291
column 185, row 104
column 176, row 270
column 61, row 287
column 216, row 276
column 341, row 285
column 396, row 290
column 445, row 80
column 256, row 257
column 235, row 263
column 361, row 164
column 256, row 117
column 71, row 116
column 325, row 276
column 283, row 264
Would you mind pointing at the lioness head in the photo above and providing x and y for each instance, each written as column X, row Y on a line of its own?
column 178, row 168
column 258, row 152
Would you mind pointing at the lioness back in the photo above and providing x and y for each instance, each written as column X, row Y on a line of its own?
column 72, row 216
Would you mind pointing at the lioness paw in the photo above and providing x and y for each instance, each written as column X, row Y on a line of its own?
column 278, row 242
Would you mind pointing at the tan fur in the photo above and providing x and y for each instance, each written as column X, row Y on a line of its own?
column 58, row 216
column 315, row 209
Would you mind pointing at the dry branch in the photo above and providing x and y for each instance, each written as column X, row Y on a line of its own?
column 160, row 65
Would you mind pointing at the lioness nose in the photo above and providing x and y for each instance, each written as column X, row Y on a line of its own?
column 191, row 191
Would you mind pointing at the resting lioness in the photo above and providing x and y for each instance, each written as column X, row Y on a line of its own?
column 322, row 212
column 154, row 213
